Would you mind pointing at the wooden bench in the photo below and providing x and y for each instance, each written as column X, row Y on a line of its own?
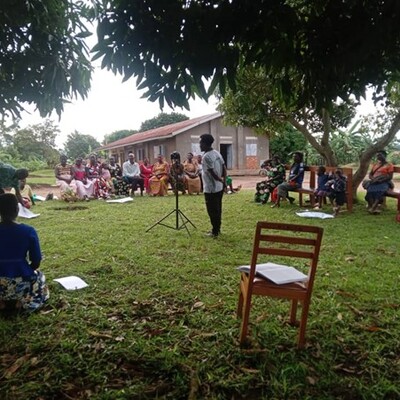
column 310, row 190
column 393, row 192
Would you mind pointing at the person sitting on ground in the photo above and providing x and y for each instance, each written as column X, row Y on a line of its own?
column 26, row 193
column 380, row 180
column 159, row 181
column 295, row 179
column 64, row 176
column 338, row 190
column 84, row 186
column 146, row 172
column 229, row 189
column 323, row 190
column 22, row 285
column 10, row 177
column 131, row 174
column 275, row 176
column 191, row 168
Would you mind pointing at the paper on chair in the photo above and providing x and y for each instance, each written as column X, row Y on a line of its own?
column 25, row 213
column 72, row 282
column 124, row 200
column 277, row 273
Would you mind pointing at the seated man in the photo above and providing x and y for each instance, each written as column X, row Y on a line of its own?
column 131, row 174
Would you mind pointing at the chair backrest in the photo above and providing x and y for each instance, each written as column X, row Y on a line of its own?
column 287, row 242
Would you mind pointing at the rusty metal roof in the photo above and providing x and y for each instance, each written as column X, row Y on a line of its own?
column 162, row 132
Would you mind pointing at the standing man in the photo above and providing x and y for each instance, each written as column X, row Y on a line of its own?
column 214, row 178
column 131, row 173
column 9, row 177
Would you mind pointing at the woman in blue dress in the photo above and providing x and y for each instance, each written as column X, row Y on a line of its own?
column 22, row 285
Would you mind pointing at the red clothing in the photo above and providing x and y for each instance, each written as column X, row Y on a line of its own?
column 146, row 172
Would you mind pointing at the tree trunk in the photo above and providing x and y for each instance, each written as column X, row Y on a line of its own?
column 367, row 154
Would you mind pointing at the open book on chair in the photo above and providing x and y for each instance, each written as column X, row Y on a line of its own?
column 279, row 274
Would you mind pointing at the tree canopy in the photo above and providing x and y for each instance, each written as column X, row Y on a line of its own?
column 316, row 51
column 162, row 119
column 43, row 56
column 80, row 145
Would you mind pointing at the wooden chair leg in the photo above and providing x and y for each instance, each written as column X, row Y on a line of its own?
column 303, row 325
column 239, row 311
column 245, row 321
column 293, row 313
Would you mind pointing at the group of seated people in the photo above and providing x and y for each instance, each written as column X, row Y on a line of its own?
column 331, row 186
column 102, row 180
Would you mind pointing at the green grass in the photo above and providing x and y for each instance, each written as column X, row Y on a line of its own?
column 42, row 177
column 158, row 318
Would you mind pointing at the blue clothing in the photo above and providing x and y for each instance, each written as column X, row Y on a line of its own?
column 321, row 183
column 297, row 169
column 17, row 242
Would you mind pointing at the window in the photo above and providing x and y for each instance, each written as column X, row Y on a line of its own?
column 140, row 154
column 158, row 150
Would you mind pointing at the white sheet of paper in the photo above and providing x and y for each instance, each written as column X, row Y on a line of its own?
column 72, row 282
column 124, row 200
column 314, row 214
column 25, row 213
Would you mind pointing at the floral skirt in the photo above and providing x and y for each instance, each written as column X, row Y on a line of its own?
column 28, row 293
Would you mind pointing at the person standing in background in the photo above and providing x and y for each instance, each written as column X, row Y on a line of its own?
column 214, row 181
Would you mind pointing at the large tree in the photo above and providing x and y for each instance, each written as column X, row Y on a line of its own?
column 254, row 103
column 316, row 51
column 43, row 56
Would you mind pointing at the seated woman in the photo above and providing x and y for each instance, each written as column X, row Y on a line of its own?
column 22, row 285
column 84, row 187
column 295, row 180
column 120, row 187
column 146, row 172
column 26, row 193
column 275, row 176
column 191, row 168
column 64, row 179
column 380, row 180
column 93, row 172
column 177, row 175
column 159, row 181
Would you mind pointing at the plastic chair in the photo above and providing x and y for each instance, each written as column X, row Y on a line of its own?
column 289, row 244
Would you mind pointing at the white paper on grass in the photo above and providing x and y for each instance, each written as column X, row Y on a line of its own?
column 314, row 214
column 72, row 282
column 25, row 213
column 40, row 198
column 124, row 200
column 277, row 273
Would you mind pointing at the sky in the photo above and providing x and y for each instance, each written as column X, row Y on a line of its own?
column 110, row 106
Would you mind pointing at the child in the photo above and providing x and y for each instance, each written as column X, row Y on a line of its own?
column 26, row 193
column 338, row 195
column 229, row 186
column 323, row 189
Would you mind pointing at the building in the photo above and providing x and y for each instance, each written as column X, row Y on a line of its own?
column 241, row 148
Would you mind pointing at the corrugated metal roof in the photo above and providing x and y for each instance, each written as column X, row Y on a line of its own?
column 162, row 132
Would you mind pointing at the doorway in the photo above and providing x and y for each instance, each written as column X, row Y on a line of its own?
column 226, row 153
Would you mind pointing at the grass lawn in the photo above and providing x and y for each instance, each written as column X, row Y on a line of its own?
column 158, row 318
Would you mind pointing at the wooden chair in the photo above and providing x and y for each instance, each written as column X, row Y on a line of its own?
column 289, row 244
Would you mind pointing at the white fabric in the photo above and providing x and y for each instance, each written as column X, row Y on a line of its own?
column 131, row 170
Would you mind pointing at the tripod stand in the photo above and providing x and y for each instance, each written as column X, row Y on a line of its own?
column 181, row 220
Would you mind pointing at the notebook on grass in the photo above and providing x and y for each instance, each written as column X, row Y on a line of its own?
column 277, row 273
